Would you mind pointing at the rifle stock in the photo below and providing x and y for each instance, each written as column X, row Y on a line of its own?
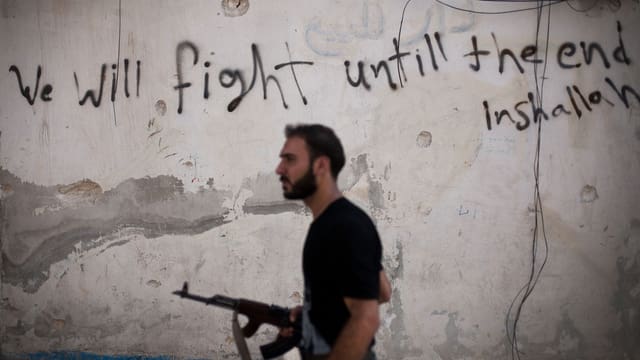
column 258, row 313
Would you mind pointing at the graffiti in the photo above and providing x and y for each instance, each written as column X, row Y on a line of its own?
column 567, row 57
column 293, row 71
column 45, row 94
column 365, row 21
column 579, row 101
column 568, row 50
column 97, row 99
column 228, row 77
column 195, row 75
column 182, row 85
column 383, row 65
column 47, row 89
column 566, row 53
column 524, row 112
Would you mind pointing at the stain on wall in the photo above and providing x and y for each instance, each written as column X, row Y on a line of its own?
column 266, row 196
column 396, row 341
column 452, row 348
column 626, row 298
column 361, row 180
column 44, row 224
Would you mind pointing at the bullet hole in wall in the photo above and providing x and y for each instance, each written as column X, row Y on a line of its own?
column 424, row 139
column 588, row 194
column 234, row 8
column 161, row 107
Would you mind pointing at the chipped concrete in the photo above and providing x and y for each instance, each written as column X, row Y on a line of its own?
column 160, row 107
column 424, row 139
column 44, row 225
column 266, row 196
column 397, row 343
column 233, row 8
column 588, row 194
column 360, row 181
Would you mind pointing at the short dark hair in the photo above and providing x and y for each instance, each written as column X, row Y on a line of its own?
column 321, row 141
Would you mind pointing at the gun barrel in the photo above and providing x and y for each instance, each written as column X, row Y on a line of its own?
column 217, row 300
column 224, row 301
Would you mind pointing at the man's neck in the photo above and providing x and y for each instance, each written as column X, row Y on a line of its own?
column 321, row 199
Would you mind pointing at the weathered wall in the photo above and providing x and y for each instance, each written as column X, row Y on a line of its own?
column 138, row 142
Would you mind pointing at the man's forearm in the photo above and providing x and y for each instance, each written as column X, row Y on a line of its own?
column 355, row 338
column 385, row 288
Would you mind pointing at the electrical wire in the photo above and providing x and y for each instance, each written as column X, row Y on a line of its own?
column 113, row 103
column 535, row 272
column 398, row 62
column 512, row 319
column 595, row 3
column 550, row 3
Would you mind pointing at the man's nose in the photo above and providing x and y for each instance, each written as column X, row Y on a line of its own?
column 280, row 169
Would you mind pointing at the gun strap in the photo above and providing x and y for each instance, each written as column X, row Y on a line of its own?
column 238, row 337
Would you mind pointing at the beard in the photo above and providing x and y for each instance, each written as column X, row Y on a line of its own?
column 302, row 188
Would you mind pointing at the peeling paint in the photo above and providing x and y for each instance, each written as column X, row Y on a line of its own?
column 84, row 191
column 398, row 345
column 80, row 213
column 359, row 168
column 267, row 197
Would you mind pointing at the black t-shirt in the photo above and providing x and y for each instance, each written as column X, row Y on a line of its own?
column 342, row 258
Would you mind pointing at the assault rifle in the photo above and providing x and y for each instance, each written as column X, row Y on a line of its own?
column 258, row 313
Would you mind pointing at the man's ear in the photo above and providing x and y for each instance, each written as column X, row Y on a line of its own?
column 322, row 165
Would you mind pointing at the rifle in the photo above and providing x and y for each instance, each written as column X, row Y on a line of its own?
column 258, row 314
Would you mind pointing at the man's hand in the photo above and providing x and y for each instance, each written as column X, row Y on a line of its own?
column 357, row 334
column 293, row 315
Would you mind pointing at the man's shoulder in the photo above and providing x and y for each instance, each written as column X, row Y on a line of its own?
column 347, row 213
column 345, row 206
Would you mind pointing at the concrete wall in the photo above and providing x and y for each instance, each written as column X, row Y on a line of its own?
column 138, row 142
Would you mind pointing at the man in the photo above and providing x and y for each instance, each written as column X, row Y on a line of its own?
column 343, row 275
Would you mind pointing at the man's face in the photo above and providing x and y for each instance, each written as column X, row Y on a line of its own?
column 296, row 170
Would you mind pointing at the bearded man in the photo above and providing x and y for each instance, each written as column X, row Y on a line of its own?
column 342, row 258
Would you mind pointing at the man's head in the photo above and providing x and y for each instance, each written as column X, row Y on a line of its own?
column 308, row 148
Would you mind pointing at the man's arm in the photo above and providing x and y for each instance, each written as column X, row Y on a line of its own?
column 385, row 288
column 357, row 334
